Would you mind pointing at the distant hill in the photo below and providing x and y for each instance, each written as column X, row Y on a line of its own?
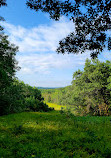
column 48, row 87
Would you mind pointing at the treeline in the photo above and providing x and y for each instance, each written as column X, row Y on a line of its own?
column 90, row 92
column 56, row 95
column 19, row 97
column 15, row 96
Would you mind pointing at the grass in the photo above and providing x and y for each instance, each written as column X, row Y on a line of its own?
column 55, row 106
column 54, row 135
column 63, row 107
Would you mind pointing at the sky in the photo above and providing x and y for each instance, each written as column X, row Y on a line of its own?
column 38, row 37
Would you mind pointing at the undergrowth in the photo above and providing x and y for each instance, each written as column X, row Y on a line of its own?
column 54, row 135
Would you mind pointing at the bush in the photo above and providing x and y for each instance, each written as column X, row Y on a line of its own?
column 33, row 104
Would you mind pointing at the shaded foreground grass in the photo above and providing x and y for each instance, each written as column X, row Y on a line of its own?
column 54, row 135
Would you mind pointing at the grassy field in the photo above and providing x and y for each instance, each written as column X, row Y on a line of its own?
column 54, row 135
column 55, row 106
column 62, row 107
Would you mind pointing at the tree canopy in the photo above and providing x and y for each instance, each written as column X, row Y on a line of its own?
column 15, row 96
column 3, row 3
column 92, row 23
column 92, row 87
column 90, row 92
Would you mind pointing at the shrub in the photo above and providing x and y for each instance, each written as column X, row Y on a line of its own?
column 33, row 104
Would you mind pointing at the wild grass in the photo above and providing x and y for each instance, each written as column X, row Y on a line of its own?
column 55, row 106
column 68, row 108
column 54, row 135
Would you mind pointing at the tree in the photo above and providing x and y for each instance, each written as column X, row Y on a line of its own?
column 8, row 68
column 15, row 96
column 8, row 63
column 92, row 87
column 3, row 3
column 29, row 98
column 92, row 21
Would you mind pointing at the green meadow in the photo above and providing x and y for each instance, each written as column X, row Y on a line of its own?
column 56, row 106
column 64, row 108
column 54, row 134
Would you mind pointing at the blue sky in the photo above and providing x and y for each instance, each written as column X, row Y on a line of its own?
column 37, row 37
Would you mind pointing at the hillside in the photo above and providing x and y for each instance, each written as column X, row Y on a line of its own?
column 48, row 87
column 54, row 135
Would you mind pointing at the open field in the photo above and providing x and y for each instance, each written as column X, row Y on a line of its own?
column 66, row 108
column 55, row 106
column 54, row 135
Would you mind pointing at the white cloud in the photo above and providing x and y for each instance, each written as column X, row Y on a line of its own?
column 41, row 38
column 37, row 47
column 106, row 55
column 46, row 63
column 39, row 62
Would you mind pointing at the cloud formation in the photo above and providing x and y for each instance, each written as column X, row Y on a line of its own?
column 41, row 38
column 40, row 64
column 46, row 63
column 37, row 47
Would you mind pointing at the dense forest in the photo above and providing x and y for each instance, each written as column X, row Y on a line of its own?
column 90, row 92
column 15, row 96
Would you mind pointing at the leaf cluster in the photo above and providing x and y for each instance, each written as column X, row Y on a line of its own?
column 90, row 92
column 91, row 23
column 15, row 96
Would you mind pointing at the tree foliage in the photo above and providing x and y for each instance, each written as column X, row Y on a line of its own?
column 90, row 91
column 32, row 99
column 8, row 68
column 3, row 3
column 8, row 63
column 92, row 21
column 91, row 87
column 15, row 96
